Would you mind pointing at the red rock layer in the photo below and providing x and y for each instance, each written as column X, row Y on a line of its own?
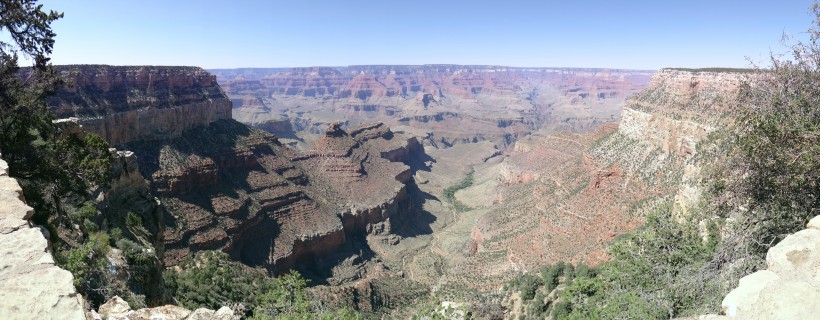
column 130, row 103
column 237, row 189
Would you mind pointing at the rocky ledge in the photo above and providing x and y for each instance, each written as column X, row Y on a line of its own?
column 31, row 285
column 118, row 309
column 788, row 289
column 130, row 103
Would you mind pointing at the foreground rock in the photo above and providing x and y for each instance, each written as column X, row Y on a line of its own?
column 788, row 289
column 31, row 285
column 118, row 309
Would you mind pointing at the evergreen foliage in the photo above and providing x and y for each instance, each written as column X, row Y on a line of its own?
column 212, row 280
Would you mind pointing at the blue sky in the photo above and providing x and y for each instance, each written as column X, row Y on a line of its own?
column 610, row 34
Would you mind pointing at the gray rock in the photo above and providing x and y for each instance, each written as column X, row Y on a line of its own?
column 794, row 299
column 31, row 286
column 201, row 314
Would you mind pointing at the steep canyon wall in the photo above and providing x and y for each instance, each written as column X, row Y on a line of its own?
column 124, row 104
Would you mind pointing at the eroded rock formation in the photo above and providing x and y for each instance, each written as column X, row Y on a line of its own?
column 239, row 190
column 564, row 197
column 443, row 104
column 680, row 108
column 225, row 186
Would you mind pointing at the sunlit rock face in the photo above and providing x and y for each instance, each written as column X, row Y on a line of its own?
column 132, row 103
column 443, row 105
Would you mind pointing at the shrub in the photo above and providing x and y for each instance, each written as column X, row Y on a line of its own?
column 132, row 220
column 89, row 265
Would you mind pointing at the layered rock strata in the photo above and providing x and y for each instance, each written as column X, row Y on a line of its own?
column 31, row 285
column 442, row 104
column 124, row 104
column 239, row 190
column 680, row 108
column 678, row 111
column 565, row 196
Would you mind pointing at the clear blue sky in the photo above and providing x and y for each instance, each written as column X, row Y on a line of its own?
column 605, row 33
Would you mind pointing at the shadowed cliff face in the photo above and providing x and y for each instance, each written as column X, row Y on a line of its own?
column 443, row 105
column 124, row 104
column 236, row 189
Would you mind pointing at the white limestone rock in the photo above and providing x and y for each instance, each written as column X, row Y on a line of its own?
column 797, row 257
column 747, row 292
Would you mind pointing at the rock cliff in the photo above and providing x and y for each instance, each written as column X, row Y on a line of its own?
column 680, row 108
column 676, row 112
column 124, row 104
column 225, row 186
column 564, row 196
column 31, row 285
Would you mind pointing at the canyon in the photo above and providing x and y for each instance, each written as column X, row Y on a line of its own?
column 224, row 186
column 442, row 105
column 563, row 196
column 343, row 173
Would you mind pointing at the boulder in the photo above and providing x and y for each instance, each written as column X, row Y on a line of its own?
column 789, row 288
column 797, row 256
column 814, row 223
column 115, row 305
column 747, row 292
column 31, row 286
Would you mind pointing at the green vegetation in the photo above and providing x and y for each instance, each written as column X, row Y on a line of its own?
column 89, row 266
column 212, row 280
column 537, row 290
column 655, row 273
column 450, row 193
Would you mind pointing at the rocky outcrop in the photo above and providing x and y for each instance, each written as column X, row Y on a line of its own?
column 129, row 103
column 447, row 104
column 788, row 289
column 236, row 189
column 680, row 108
column 676, row 112
column 118, row 309
column 31, row 285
